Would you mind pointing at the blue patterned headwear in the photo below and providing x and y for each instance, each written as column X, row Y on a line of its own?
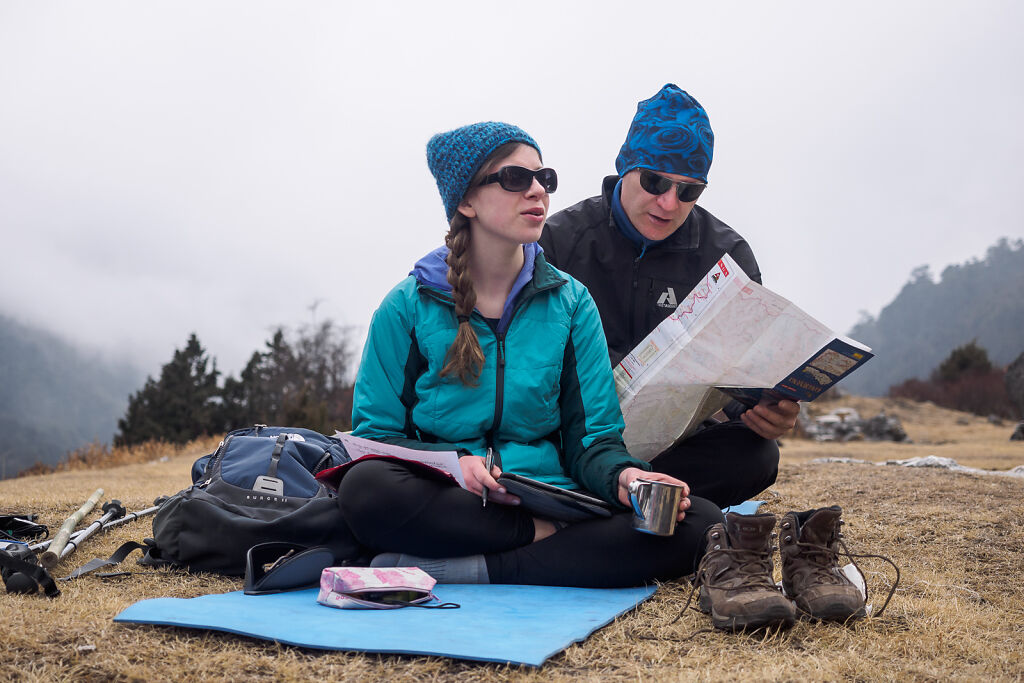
column 455, row 157
column 670, row 133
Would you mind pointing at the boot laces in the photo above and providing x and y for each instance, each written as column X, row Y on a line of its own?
column 824, row 561
column 852, row 557
column 763, row 559
column 748, row 569
column 754, row 567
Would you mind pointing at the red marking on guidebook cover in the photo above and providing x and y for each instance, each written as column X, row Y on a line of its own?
column 725, row 271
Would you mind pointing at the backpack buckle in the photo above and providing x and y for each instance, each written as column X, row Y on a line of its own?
column 268, row 484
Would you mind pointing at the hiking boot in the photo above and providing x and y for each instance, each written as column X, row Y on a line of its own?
column 735, row 575
column 810, row 571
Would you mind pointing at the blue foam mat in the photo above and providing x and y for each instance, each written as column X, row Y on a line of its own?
column 495, row 623
column 745, row 508
column 514, row 624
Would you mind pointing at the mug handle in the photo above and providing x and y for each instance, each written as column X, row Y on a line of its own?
column 639, row 496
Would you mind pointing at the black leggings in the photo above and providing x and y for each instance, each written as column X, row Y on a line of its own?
column 391, row 508
column 726, row 463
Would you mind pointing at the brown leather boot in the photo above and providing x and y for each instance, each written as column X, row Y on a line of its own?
column 735, row 575
column 809, row 543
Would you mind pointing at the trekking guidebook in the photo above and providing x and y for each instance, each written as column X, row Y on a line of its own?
column 446, row 462
column 730, row 338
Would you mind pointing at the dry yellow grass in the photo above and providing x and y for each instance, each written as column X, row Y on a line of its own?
column 958, row 615
column 969, row 439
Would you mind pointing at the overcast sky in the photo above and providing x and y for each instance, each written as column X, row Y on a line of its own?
column 219, row 167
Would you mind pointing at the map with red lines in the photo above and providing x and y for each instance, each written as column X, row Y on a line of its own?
column 729, row 338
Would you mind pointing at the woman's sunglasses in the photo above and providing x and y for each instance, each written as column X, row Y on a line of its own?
column 519, row 179
column 659, row 184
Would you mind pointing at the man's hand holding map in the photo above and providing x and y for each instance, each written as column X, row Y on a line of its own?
column 729, row 338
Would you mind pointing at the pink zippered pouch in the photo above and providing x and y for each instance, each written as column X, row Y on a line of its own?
column 375, row 587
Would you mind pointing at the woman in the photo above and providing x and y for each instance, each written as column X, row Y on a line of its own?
column 486, row 345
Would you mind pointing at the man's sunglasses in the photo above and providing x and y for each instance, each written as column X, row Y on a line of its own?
column 519, row 179
column 659, row 185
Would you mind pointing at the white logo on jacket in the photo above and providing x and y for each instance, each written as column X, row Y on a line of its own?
column 668, row 298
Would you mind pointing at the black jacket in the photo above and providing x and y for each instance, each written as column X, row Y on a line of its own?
column 634, row 293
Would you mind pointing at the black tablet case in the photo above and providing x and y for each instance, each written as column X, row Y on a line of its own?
column 551, row 502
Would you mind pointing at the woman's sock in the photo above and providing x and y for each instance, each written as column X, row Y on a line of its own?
column 469, row 569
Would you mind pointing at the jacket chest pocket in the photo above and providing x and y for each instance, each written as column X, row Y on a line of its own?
column 533, row 371
column 447, row 408
column 434, row 344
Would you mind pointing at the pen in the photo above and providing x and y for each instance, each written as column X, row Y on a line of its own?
column 488, row 464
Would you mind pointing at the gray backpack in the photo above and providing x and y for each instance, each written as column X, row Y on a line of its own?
column 257, row 487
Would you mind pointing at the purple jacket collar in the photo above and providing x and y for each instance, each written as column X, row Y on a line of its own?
column 432, row 271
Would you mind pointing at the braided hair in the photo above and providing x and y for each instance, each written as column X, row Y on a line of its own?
column 465, row 358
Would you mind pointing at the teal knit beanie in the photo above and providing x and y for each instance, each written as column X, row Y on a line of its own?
column 454, row 157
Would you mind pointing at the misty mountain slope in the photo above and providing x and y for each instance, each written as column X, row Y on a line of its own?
column 54, row 397
column 982, row 300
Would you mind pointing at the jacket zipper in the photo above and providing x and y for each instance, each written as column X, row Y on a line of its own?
column 499, row 378
column 499, row 389
column 632, row 298
column 499, row 375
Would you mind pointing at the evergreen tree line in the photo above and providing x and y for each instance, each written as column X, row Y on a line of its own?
column 980, row 299
column 966, row 380
column 303, row 380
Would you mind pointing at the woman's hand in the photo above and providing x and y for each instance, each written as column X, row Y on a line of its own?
column 629, row 474
column 477, row 478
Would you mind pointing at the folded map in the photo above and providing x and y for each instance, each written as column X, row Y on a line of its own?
column 729, row 338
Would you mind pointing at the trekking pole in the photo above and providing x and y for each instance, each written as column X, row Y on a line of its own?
column 129, row 517
column 52, row 556
column 132, row 516
column 111, row 510
column 122, row 552
column 19, row 566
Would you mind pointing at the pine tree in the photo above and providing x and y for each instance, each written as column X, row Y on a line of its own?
column 969, row 359
column 140, row 422
column 183, row 404
column 304, row 383
column 301, row 383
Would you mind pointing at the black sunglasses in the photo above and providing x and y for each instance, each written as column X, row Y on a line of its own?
column 519, row 179
column 659, row 184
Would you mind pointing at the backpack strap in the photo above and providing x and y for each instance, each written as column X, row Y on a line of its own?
column 117, row 557
column 269, row 482
column 14, row 564
column 154, row 557
column 275, row 457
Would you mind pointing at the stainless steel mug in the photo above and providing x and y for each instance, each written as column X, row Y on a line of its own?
column 655, row 506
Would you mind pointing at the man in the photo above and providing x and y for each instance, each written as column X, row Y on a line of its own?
column 640, row 247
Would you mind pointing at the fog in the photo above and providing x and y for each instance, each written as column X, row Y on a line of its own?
column 226, row 167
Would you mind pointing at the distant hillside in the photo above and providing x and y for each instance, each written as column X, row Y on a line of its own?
column 53, row 397
column 979, row 300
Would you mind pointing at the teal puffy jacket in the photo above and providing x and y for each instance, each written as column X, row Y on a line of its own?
column 546, row 397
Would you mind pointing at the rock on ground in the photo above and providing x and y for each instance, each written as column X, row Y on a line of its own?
column 1015, row 383
column 1018, row 433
